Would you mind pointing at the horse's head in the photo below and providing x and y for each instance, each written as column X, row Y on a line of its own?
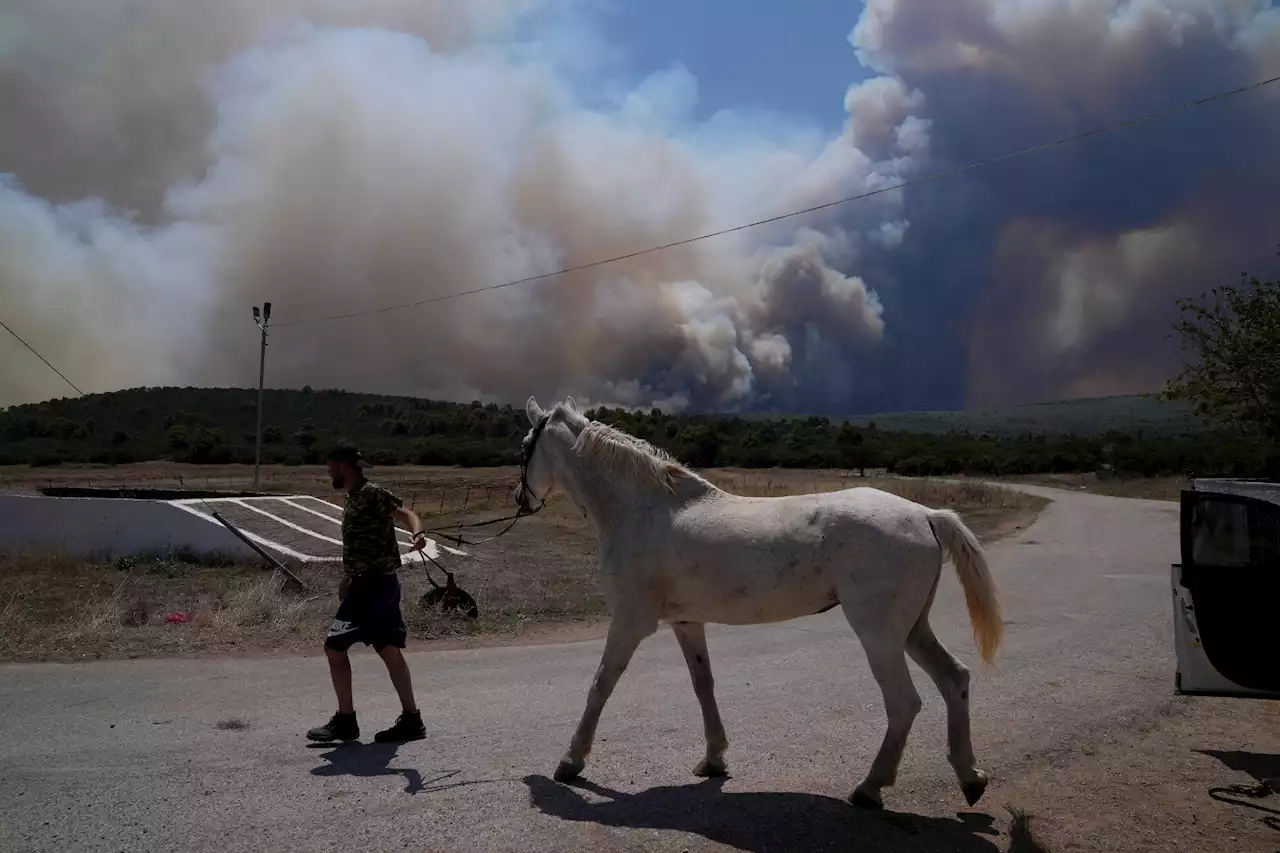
column 549, row 431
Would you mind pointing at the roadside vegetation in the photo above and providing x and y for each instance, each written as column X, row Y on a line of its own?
column 537, row 581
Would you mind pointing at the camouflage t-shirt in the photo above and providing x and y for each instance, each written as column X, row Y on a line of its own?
column 368, row 531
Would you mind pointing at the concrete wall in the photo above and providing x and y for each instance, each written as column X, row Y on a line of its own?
column 107, row 527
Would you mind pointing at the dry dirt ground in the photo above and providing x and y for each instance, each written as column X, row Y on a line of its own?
column 536, row 584
column 1193, row 779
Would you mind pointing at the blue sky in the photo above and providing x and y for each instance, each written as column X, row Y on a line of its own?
column 757, row 54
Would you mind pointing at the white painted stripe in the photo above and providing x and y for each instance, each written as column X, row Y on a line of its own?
column 324, row 503
column 264, row 542
column 432, row 548
column 400, row 531
column 188, row 501
column 291, row 502
column 287, row 523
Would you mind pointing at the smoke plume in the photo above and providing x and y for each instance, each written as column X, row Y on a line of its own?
column 172, row 163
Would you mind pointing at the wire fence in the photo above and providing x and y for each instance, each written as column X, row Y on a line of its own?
column 447, row 492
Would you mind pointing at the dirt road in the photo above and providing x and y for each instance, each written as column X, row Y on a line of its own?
column 1079, row 726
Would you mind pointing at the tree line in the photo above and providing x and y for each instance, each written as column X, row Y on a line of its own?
column 1230, row 382
column 214, row 426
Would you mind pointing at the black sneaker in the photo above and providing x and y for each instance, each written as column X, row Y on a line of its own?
column 408, row 727
column 340, row 727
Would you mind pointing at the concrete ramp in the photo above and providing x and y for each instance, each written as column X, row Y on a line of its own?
column 298, row 526
column 295, row 527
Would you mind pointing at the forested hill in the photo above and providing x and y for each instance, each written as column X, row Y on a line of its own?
column 208, row 425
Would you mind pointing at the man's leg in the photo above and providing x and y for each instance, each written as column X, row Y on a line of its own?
column 343, row 631
column 340, row 672
column 391, row 636
column 398, row 669
column 408, row 725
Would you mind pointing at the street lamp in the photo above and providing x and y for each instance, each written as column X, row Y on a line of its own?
column 261, row 318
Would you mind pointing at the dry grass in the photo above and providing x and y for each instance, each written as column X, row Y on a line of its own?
column 992, row 511
column 55, row 607
column 539, row 578
column 1149, row 488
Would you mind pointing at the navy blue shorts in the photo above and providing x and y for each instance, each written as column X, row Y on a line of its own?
column 370, row 614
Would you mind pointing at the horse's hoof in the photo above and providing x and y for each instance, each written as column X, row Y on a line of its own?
column 709, row 769
column 974, row 790
column 861, row 799
column 567, row 771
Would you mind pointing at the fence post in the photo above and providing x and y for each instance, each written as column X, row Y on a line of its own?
column 466, row 499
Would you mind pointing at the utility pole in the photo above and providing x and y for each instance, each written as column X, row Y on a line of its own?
column 261, row 318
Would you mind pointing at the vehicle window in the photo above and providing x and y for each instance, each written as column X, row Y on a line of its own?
column 1231, row 533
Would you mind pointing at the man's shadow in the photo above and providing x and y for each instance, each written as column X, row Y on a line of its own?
column 374, row 759
column 782, row 822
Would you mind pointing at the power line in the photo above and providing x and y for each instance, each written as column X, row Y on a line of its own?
column 172, row 473
column 19, row 339
column 914, row 181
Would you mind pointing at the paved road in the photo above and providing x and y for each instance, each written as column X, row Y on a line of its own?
column 130, row 756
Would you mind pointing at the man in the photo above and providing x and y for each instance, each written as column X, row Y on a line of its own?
column 369, row 611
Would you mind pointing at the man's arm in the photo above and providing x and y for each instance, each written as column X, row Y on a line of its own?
column 409, row 519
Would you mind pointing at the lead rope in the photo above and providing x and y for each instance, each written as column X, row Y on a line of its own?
column 1260, row 791
column 526, row 455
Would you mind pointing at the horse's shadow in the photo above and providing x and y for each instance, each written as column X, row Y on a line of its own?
column 781, row 822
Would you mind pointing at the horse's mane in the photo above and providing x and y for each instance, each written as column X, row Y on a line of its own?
column 623, row 453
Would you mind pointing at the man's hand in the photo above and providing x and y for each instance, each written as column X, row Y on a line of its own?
column 419, row 541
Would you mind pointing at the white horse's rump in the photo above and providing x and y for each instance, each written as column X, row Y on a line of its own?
column 674, row 548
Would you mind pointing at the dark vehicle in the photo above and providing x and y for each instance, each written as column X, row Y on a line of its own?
column 1226, row 590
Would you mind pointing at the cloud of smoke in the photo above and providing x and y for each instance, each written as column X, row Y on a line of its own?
column 1065, row 265
column 330, row 160
column 175, row 163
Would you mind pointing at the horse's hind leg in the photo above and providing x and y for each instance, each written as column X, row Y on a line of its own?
column 952, row 680
column 883, row 632
column 625, row 635
column 693, row 642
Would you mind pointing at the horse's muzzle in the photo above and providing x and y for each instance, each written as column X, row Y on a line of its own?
column 523, row 502
column 522, row 499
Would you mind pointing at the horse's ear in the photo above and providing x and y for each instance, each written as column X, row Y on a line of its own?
column 572, row 404
column 533, row 411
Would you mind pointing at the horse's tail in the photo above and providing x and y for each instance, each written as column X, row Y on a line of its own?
column 966, row 553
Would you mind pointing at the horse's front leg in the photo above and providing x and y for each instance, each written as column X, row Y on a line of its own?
column 693, row 642
column 625, row 634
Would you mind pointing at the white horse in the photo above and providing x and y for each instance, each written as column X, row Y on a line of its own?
column 675, row 548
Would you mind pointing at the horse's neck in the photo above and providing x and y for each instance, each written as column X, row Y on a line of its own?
column 607, row 496
column 601, row 496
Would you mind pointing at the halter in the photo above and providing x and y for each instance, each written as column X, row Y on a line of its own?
column 522, row 498
column 526, row 456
